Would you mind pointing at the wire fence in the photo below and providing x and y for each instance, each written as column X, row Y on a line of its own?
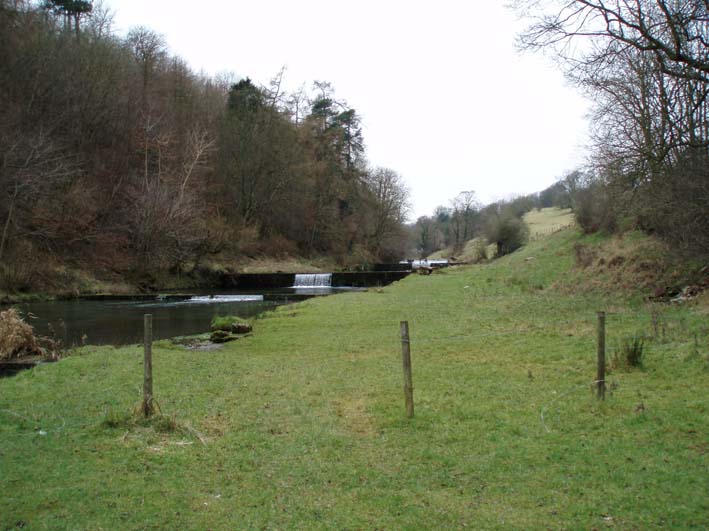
column 658, row 326
column 539, row 234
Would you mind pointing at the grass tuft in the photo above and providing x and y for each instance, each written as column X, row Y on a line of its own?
column 227, row 322
column 630, row 353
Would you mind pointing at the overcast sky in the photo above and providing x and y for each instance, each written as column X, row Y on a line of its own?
column 445, row 99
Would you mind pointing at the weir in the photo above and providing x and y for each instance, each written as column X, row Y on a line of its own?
column 349, row 279
column 308, row 280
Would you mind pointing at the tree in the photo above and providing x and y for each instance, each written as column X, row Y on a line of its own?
column 333, row 136
column 71, row 10
column 33, row 167
column 645, row 64
column 673, row 32
column 148, row 49
column 391, row 205
column 464, row 209
column 257, row 152
column 425, row 242
column 508, row 232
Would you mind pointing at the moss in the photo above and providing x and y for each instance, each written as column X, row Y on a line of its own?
column 227, row 322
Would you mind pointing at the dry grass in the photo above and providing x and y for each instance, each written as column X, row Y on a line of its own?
column 286, row 265
column 353, row 413
column 548, row 220
column 17, row 338
column 474, row 251
column 702, row 303
column 629, row 262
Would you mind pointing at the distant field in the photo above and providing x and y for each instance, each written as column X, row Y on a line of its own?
column 541, row 223
column 470, row 252
column 547, row 220
column 302, row 425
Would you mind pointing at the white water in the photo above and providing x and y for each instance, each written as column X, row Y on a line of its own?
column 320, row 280
column 216, row 299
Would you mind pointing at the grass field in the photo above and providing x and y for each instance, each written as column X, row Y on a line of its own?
column 546, row 221
column 541, row 223
column 302, row 425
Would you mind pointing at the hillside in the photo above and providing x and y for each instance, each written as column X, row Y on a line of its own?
column 302, row 424
column 541, row 222
column 123, row 168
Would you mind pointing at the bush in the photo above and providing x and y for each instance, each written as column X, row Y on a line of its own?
column 675, row 206
column 478, row 250
column 593, row 208
column 507, row 232
column 16, row 337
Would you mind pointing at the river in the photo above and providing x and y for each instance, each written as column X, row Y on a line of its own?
column 120, row 322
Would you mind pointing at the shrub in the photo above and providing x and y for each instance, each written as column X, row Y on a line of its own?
column 479, row 249
column 593, row 208
column 507, row 232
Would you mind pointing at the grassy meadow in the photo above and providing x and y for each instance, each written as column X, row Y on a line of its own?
column 545, row 221
column 302, row 424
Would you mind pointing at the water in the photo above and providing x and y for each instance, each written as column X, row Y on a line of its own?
column 319, row 280
column 102, row 322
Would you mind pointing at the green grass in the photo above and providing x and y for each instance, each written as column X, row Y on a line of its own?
column 302, row 425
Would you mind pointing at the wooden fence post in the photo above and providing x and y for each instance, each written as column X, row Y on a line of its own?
column 601, row 367
column 408, row 381
column 147, row 408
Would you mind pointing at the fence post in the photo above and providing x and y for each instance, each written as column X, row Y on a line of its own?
column 147, row 407
column 601, row 367
column 406, row 356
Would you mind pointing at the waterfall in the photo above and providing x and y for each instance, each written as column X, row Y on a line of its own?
column 320, row 280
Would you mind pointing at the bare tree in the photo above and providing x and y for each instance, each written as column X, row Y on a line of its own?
column 464, row 209
column 391, row 205
column 148, row 49
column 674, row 32
column 33, row 168
column 645, row 64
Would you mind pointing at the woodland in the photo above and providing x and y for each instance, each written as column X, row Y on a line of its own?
column 117, row 158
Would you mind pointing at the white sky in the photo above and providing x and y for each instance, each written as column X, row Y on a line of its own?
column 445, row 99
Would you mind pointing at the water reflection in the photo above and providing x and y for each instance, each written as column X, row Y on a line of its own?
column 101, row 322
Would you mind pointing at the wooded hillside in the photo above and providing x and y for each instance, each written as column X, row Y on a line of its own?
column 116, row 157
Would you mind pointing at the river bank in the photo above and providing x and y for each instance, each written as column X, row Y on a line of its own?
column 66, row 283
